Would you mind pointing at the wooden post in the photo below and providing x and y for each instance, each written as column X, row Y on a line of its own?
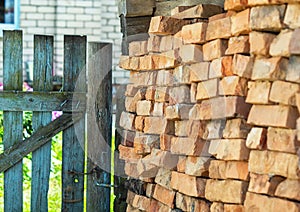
column 99, row 126
column 13, row 126
column 74, row 137
column 119, row 190
column 41, row 158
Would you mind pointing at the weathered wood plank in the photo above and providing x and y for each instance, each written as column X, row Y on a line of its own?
column 14, row 154
column 135, row 8
column 42, row 101
column 99, row 126
column 41, row 158
column 74, row 137
column 13, row 126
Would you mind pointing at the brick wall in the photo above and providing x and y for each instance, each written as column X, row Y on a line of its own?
column 96, row 19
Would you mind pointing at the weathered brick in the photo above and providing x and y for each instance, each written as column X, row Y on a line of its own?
column 196, row 129
column 292, row 73
column 289, row 189
column 141, row 202
column 199, row 11
column 139, row 123
column 163, row 178
column 270, row 18
column 191, row 53
column 274, row 116
column 181, row 128
column 258, row 92
column 127, row 120
column 233, row 86
column 188, row 146
column 131, row 90
column 166, row 43
column 292, row 16
column 217, row 207
column 284, row 92
column 229, row 149
column 236, row 128
column 145, row 168
column 164, row 25
column 164, row 78
column 154, row 43
column 127, row 138
column 124, row 62
column 242, row 65
column 164, row 159
column 143, row 144
column 280, row 45
column 221, row 67
column 269, row 69
column 260, row 42
column 233, row 191
column 179, row 94
column 137, row 48
column 150, row 189
column 240, row 23
column 238, row 45
column 214, row 49
column 198, row 71
column 161, row 61
column 144, row 108
column 256, row 139
column 165, row 142
column 181, row 75
column 164, row 195
column 264, row 184
column 220, row 28
column 235, row 4
column 161, row 94
column 197, row 166
column 128, row 154
column 158, row 125
column 193, row 92
column 295, row 44
column 194, row 33
column 150, row 93
column 187, row 203
column 283, row 164
column 207, row 89
column 131, row 170
column 158, row 109
column 178, row 111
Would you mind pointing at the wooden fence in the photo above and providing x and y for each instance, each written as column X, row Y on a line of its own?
column 75, row 102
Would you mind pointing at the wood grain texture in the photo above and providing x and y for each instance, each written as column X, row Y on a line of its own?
column 99, row 126
column 74, row 137
column 13, row 126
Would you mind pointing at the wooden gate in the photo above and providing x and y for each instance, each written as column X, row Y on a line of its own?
column 75, row 102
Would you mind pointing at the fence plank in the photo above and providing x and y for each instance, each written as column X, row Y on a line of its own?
column 99, row 126
column 42, row 101
column 18, row 151
column 13, row 127
column 41, row 158
column 74, row 137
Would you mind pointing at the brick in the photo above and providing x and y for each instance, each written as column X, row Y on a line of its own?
column 217, row 207
column 193, row 92
column 269, row 69
column 128, row 154
column 191, row 53
column 214, row 129
column 127, row 120
column 221, row 67
column 240, row 23
column 282, row 164
column 274, row 116
column 217, row 17
column 289, row 189
column 150, row 190
column 161, row 61
column 130, row 104
column 181, row 75
column 150, row 93
column 187, row 203
column 197, row 166
column 238, row 45
column 131, row 90
column 137, row 48
column 164, row 25
column 198, row 71
column 219, row 169
column 188, row 146
column 146, row 63
column 260, row 42
column 144, row 108
column 127, row 138
column 207, row 89
column 161, row 94
column 143, row 78
column 124, row 62
column 295, row 44
column 242, row 65
column 164, row 78
column 181, row 128
column 283, row 140
column 292, row 16
column 264, row 184
column 158, row 125
column 280, row 45
column 229, row 149
column 139, row 123
column 178, row 41
column 165, row 142
column 163, row 178
column 166, row 43
column 256, row 202
column 143, row 144
column 236, row 128
column 233, row 86
column 194, row 33
column 256, row 139
column 233, row 191
column 181, row 164
column 235, row 4
column 236, row 208
column 214, row 49
column 141, row 202
column 179, row 9
column 258, row 92
column 195, row 112
column 153, row 44
column 179, row 94
column 292, row 73
column 158, row 206
column 158, row 109
column 178, row 111
column 196, row 129
column 164, row 195
column 284, row 92
column 271, row 18
column 223, row 107
column 145, row 168
column 164, row 159
column 189, row 185
column 220, row 28
column 130, row 197
column 199, row 11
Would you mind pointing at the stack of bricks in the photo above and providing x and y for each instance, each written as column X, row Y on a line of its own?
column 211, row 109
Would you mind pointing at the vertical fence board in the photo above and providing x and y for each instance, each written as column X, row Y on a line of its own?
column 73, row 138
column 13, row 127
column 120, row 178
column 41, row 158
column 99, row 126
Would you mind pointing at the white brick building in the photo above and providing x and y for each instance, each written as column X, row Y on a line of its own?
column 98, row 19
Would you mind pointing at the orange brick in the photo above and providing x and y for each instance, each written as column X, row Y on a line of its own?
column 197, row 166
column 284, row 92
column 221, row 67
column 160, row 61
column 164, row 195
column 187, row 203
column 207, row 89
column 199, row 11
column 143, row 144
column 163, row 178
column 256, row 139
column 260, row 42
column 164, row 159
column 235, row 4
column 233, row 86
column 217, row 207
column 240, row 23
column 128, row 154
column 238, row 45
column 280, row 45
column 229, row 149
column 292, row 17
column 158, row 109
column 161, row 94
column 178, row 111
column 124, row 62
column 131, row 90
column 258, row 92
column 235, row 208
column 289, row 189
column 220, row 28
column 214, row 49
column 158, row 125
column 233, row 191
column 181, row 128
column 164, row 25
column 153, row 44
column 196, row 129
column 194, row 33
column 236, row 128
column 264, row 184
column 193, row 92
column 198, row 71
column 188, row 146
column 165, row 142
column 191, row 53
column 166, row 43
column 144, row 108
column 137, row 48
column 274, row 116
column 141, row 202
column 145, row 63
column 139, row 123
column 242, row 65
column 127, row 120
column 150, row 92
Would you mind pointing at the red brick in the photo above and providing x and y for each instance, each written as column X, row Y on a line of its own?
column 274, row 116
column 188, row 146
column 235, row 208
column 242, row 65
column 257, row 138
column 233, row 191
column 141, row 202
column 158, row 125
column 139, row 123
column 164, row 25
column 128, row 154
column 235, row 4
column 164, row 195
column 161, row 61
column 260, row 42
column 220, row 28
column 238, row 45
column 240, row 23
column 229, row 149
column 214, row 49
column 207, row 89
column 233, row 86
column 187, row 203
column 292, row 17
column 131, row 170
column 289, row 189
column 194, row 33
column 258, row 92
column 236, row 128
column 198, row 71
column 191, row 53
column 143, row 144
column 284, row 92
column 264, row 184
column 197, row 166
column 221, row 67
